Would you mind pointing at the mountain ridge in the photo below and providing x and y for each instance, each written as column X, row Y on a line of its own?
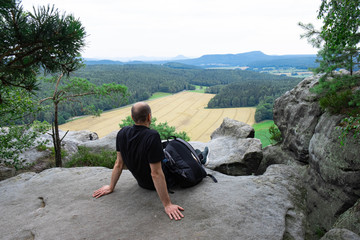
column 254, row 59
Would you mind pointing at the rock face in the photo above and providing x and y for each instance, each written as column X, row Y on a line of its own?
column 296, row 114
column 311, row 136
column 57, row 204
column 232, row 149
column 340, row 234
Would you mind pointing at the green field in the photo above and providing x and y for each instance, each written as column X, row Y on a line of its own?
column 159, row 95
column 262, row 132
column 199, row 89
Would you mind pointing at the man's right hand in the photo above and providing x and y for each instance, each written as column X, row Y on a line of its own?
column 102, row 191
column 174, row 211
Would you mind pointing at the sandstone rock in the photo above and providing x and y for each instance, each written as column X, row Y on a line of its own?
column 340, row 234
column 273, row 154
column 57, row 204
column 325, row 201
column 233, row 156
column 80, row 136
column 105, row 143
column 6, row 172
column 296, row 114
column 233, row 128
column 69, row 144
column 350, row 219
column 334, row 173
column 337, row 164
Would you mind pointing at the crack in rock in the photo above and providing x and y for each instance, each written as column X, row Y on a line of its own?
column 43, row 204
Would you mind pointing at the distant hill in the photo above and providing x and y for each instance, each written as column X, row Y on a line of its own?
column 254, row 60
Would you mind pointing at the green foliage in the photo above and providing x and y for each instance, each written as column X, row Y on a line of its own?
column 349, row 125
column 43, row 39
column 338, row 41
column 163, row 129
column 16, row 139
column 275, row 134
column 335, row 102
column 264, row 110
column 249, row 93
column 338, row 94
column 53, row 152
column 41, row 147
column 84, row 157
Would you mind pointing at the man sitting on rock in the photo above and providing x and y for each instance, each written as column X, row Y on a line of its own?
column 140, row 150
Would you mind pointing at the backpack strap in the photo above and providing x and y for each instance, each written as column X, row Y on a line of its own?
column 213, row 178
column 194, row 154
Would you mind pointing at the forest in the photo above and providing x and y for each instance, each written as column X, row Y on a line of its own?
column 234, row 88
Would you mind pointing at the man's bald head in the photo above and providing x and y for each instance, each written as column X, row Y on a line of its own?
column 140, row 111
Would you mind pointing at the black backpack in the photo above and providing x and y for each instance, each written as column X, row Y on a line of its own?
column 182, row 165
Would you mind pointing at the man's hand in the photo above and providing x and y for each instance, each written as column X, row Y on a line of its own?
column 173, row 211
column 102, row 191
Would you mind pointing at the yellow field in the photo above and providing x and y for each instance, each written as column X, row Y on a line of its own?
column 185, row 111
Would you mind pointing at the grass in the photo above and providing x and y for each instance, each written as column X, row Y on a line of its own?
column 159, row 95
column 262, row 132
column 199, row 89
column 84, row 157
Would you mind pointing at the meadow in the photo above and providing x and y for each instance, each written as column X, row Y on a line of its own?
column 186, row 111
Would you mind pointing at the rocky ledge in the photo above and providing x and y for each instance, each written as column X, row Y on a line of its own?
column 57, row 204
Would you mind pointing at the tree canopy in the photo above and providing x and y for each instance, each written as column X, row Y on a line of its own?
column 338, row 43
column 44, row 39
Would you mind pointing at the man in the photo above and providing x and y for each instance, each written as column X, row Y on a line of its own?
column 140, row 150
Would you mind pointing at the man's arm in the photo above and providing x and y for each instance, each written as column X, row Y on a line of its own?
column 117, row 170
column 172, row 210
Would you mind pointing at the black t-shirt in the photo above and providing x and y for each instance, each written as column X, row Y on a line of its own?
column 140, row 146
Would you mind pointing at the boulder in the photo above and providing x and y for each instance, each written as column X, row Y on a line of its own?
column 232, row 156
column 350, row 219
column 105, row 143
column 233, row 128
column 340, row 234
column 296, row 113
column 232, row 149
column 57, row 204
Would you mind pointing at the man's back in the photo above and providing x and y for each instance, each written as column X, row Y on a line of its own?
column 140, row 146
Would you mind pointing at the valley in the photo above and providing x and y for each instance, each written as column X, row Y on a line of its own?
column 185, row 111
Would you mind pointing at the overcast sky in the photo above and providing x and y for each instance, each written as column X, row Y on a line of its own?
column 119, row 29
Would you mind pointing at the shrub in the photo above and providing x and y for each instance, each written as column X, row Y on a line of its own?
column 163, row 129
column 335, row 102
column 84, row 157
column 275, row 134
column 347, row 125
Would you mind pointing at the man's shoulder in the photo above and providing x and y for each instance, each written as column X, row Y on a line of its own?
column 123, row 130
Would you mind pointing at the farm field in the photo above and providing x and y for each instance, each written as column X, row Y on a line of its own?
column 185, row 111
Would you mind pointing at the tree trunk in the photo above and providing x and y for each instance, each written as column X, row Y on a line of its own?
column 56, row 138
